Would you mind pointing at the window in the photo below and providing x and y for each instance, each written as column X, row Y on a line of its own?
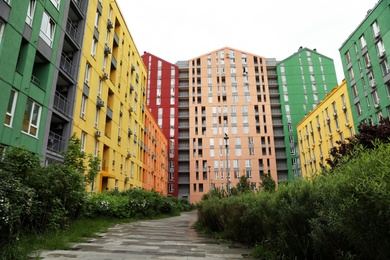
column 30, row 12
column 348, row 57
column 375, row 29
column 94, row 45
column 11, row 108
column 1, row 29
column 31, row 118
column 355, row 90
column 56, row 3
column 375, row 97
column 97, row 19
column 363, row 42
column 83, row 141
column 351, row 74
column 83, row 106
column 358, row 109
column 48, row 27
column 87, row 74
column 385, row 67
column 367, row 60
column 381, row 49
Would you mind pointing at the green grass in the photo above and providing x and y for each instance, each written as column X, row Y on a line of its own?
column 78, row 231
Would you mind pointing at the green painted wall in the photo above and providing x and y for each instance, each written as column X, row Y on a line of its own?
column 17, row 55
column 298, row 94
column 381, row 14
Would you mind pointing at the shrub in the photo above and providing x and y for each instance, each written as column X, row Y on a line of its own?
column 341, row 215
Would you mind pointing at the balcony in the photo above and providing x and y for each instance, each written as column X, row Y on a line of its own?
column 66, row 64
column 55, row 143
column 61, row 104
column 71, row 29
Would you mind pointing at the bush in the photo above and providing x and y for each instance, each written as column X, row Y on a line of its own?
column 341, row 215
column 133, row 203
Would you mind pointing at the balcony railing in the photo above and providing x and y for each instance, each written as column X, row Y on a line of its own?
column 55, row 143
column 61, row 103
column 71, row 29
column 66, row 65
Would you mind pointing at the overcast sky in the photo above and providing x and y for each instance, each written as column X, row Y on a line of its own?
column 180, row 30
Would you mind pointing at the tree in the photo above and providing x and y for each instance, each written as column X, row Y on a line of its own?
column 267, row 183
column 93, row 163
column 243, row 185
column 367, row 137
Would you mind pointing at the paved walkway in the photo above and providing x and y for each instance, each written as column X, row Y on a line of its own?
column 170, row 238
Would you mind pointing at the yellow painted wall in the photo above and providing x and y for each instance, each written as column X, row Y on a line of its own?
column 121, row 89
column 328, row 123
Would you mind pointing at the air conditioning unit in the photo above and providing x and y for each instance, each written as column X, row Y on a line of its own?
column 337, row 129
column 99, row 168
column 100, row 103
column 318, row 127
column 128, row 155
column 109, row 25
column 129, row 132
column 382, row 54
column 376, row 105
column 368, row 66
column 347, row 124
column 344, row 107
column 127, row 178
column 131, row 109
column 98, row 133
column 105, row 75
column 377, row 35
column 329, row 134
column 328, row 119
column 119, row 138
column 335, row 114
column 107, row 50
column 321, row 156
column 320, row 140
column 131, row 88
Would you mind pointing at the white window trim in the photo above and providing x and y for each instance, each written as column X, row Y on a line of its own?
column 30, row 12
column 30, row 124
column 48, row 34
column 12, row 113
column 2, row 25
column 56, row 3
column 83, row 106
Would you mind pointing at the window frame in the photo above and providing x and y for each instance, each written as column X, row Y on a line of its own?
column 11, row 114
column 31, row 113
column 48, row 36
column 30, row 12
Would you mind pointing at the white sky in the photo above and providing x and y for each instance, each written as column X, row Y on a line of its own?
column 180, row 30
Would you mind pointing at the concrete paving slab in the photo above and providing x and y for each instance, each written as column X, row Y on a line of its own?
column 171, row 238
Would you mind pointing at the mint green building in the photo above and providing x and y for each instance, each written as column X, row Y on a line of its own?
column 39, row 54
column 304, row 80
column 29, row 36
column 365, row 59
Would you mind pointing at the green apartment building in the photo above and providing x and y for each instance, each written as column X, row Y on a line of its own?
column 365, row 59
column 29, row 35
column 304, row 80
column 39, row 55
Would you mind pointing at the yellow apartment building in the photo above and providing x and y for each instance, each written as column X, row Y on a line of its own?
column 329, row 122
column 155, row 156
column 110, row 100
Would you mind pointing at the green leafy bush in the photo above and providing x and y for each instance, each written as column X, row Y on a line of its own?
column 344, row 214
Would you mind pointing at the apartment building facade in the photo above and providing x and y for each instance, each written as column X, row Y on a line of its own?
column 30, row 32
column 319, row 131
column 304, row 78
column 110, row 107
column 225, row 122
column 365, row 59
column 162, row 100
